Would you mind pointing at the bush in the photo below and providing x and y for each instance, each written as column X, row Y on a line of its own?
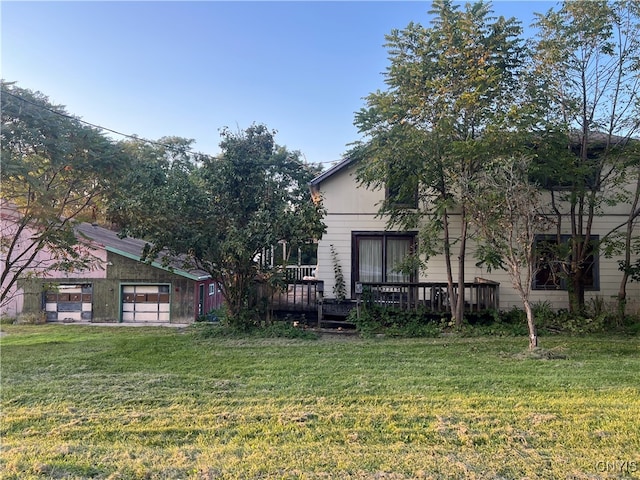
column 31, row 318
column 483, row 317
column 284, row 329
column 373, row 320
column 511, row 323
column 4, row 320
column 598, row 318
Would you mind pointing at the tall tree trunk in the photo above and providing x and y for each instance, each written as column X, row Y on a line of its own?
column 575, row 287
column 447, row 259
column 531, row 324
column 461, row 256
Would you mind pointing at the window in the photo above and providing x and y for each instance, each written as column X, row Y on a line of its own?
column 568, row 173
column 378, row 256
column 401, row 189
column 553, row 256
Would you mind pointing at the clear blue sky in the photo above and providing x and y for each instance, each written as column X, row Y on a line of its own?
column 190, row 68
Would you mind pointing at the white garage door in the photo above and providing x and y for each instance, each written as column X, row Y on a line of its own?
column 145, row 303
column 68, row 303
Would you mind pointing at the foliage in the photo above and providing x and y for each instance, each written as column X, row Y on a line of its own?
column 598, row 317
column 373, row 320
column 632, row 269
column 339, row 286
column 31, row 318
column 222, row 212
column 503, row 325
column 103, row 402
column 586, row 57
column 508, row 211
column 451, row 88
column 55, row 173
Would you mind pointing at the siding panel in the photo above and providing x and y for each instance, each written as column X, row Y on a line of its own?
column 351, row 208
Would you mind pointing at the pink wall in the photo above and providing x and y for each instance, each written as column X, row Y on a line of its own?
column 41, row 266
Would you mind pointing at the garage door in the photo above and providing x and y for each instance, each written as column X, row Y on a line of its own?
column 145, row 303
column 68, row 303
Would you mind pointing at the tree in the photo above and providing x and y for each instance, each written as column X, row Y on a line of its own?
column 509, row 211
column 450, row 87
column 587, row 53
column 55, row 170
column 222, row 212
column 631, row 244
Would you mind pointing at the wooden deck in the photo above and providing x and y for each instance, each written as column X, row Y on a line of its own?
column 306, row 297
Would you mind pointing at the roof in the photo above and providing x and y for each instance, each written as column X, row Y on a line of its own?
column 338, row 167
column 132, row 248
column 595, row 137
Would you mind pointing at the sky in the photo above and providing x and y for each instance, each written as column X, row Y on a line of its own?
column 189, row 69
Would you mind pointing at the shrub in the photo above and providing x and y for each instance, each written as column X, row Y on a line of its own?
column 483, row 317
column 371, row 320
column 4, row 320
column 284, row 329
column 31, row 318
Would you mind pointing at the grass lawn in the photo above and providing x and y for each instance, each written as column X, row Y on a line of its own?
column 152, row 403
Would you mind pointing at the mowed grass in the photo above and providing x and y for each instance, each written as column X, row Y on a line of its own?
column 153, row 403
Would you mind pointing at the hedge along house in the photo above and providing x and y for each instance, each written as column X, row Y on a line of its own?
column 358, row 244
column 118, row 287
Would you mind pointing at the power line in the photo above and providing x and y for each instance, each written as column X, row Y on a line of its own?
column 106, row 129
column 71, row 117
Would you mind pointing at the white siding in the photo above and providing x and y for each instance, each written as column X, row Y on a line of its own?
column 351, row 208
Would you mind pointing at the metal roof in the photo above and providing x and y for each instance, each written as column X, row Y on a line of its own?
column 132, row 248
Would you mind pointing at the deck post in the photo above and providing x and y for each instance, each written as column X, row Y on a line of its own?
column 320, row 294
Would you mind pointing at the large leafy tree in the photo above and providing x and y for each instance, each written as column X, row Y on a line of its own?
column 451, row 88
column 221, row 212
column 55, row 171
column 587, row 55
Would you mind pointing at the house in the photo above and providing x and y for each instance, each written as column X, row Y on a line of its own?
column 116, row 287
column 358, row 243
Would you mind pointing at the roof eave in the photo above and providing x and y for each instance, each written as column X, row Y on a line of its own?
column 177, row 271
column 338, row 167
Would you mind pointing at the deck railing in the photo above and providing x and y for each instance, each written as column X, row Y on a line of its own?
column 299, row 272
column 298, row 296
column 478, row 295
column 306, row 296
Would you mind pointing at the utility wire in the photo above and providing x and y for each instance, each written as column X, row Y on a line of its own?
column 106, row 129
column 71, row 117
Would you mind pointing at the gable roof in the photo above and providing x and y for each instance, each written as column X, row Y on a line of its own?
column 338, row 167
column 132, row 248
column 598, row 139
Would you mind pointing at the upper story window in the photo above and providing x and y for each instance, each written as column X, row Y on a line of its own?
column 552, row 258
column 569, row 172
column 401, row 189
